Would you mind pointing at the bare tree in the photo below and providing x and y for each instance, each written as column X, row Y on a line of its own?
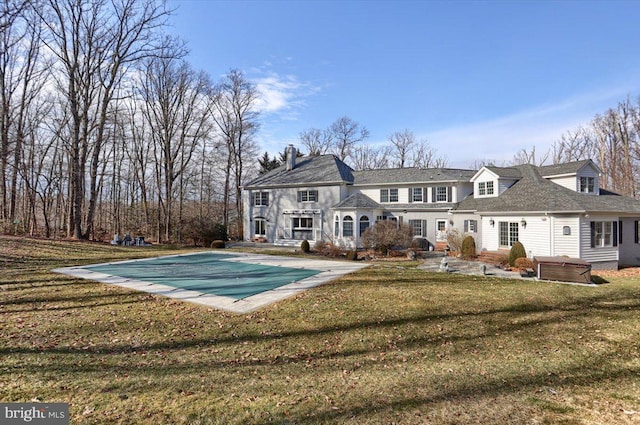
column 403, row 143
column 316, row 141
column 346, row 133
column 174, row 108
column 233, row 110
column 367, row 157
column 95, row 43
column 524, row 156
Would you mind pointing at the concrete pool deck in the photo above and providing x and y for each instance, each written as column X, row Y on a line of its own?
column 328, row 271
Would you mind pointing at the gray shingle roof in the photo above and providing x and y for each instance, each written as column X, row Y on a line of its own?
column 411, row 175
column 358, row 201
column 566, row 168
column 505, row 172
column 534, row 193
column 317, row 170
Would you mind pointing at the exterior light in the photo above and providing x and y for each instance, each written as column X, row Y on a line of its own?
column 523, row 222
column 491, row 222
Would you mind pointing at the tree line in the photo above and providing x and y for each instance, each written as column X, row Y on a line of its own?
column 105, row 127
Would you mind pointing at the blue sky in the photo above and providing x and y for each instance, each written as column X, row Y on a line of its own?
column 479, row 80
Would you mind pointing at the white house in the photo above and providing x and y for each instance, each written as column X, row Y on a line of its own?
column 553, row 210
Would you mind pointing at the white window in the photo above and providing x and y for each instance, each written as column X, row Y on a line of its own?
column 471, row 226
column 604, row 233
column 307, row 196
column 482, row 189
column 508, row 233
column 489, row 188
column 260, row 226
column 364, row 224
column 441, row 194
column 389, row 195
column 261, row 199
column 587, row 185
column 418, row 227
column 347, row 226
column 417, row 194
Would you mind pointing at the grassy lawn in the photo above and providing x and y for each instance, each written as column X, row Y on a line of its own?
column 389, row 344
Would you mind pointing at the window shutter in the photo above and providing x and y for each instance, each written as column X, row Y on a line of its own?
column 449, row 193
column 433, row 194
column 424, row 228
column 620, row 232
column 615, row 233
column 466, row 226
column 635, row 226
column 410, row 195
column 593, row 234
column 425, row 194
column 299, row 196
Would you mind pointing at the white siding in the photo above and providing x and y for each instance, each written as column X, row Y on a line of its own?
column 570, row 182
column 535, row 236
column 568, row 245
column 597, row 254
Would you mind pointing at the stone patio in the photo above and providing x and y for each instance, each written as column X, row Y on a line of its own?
column 433, row 263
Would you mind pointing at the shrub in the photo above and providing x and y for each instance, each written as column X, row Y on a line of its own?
column 351, row 255
column 217, row 244
column 454, row 240
column 305, row 247
column 468, row 247
column 517, row 251
column 386, row 234
column 523, row 263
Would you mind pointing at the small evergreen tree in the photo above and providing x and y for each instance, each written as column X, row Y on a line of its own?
column 267, row 164
column 517, row 251
column 468, row 247
column 304, row 246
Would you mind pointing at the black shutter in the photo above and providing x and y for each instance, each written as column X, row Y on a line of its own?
column 449, row 193
column 299, row 196
column 593, row 234
column 433, row 194
column 466, row 226
column 410, row 195
column 635, row 229
column 615, row 233
column 266, row 200
column 424, row 228
column 620, row 232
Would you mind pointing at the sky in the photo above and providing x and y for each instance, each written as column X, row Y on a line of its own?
column 479, row 80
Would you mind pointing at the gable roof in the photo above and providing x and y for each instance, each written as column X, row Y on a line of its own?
column 566, row 168
column 358, row 201
column 316, row 170
column 534, row 193
column 411, row 175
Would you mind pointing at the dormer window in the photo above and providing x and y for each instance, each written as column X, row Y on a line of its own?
column 485, row 188
column 587, row 184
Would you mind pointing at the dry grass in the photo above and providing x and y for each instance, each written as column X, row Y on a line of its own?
column 389, row 344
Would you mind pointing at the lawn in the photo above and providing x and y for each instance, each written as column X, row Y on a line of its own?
column 389, row 344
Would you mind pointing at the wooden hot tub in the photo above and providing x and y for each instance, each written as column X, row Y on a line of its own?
column 562, row 269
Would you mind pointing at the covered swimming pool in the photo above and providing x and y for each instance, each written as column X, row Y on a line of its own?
column 238, row 282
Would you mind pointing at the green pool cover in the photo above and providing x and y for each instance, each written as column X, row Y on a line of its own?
column 207, row 273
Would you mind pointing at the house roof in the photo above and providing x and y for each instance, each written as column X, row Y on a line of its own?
column 411, row 175
column 565, row 168
column 505, row 172
column 317, row 170
column 358, row 201
column 534, row 193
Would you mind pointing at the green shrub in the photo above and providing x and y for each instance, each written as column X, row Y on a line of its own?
column 384, row 250
column 468, row 247
column 304, row 246
column 217, row 244
column 352, row 255
column 517, row 251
